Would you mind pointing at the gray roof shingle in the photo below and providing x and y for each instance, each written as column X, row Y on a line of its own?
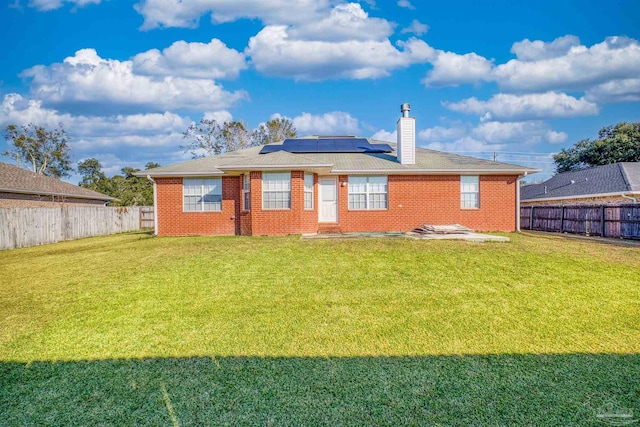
column 17, row 180
column 427, row 161
column 606, row 179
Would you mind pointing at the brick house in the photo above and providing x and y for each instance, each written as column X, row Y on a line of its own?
column 335, row 183
column 607, row 184
column 21, row 188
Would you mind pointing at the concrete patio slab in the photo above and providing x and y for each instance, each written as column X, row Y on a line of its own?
column 469, row 237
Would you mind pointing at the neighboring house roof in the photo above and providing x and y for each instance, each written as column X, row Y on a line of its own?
column 606, row 180
column 427, row 162
column 21, row 181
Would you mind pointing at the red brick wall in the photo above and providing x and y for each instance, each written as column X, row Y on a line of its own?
column 435, row 200
column 172, row 221
column 273, row 222
column 413, row 200
column 15, row 200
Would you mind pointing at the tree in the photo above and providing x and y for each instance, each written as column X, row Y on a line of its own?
column 275, row 130
column 617, row 143
column 46, row 150
column 128, row 189
column 209, row 138
column 92, row 176
column 235, row 136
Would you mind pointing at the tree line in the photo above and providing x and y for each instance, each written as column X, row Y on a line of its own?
column 47, row 152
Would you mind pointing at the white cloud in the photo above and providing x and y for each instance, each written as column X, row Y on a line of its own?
column 580, row 68
column 15, row 109
column 345, row 22
column 528, row 50
column 416, row 27
column 219, row 116
column 521, row 107
column 439, row 133
column 527, row 132
column 89, row 80
column 606, row 72
column 332, row 123
column 383, row 135
column 627, row 90
column 405, row 4
column 134, row 139
column 178, row 13
column 452, row 69
column 273, row 52
column 213, row 60
column 45, row 5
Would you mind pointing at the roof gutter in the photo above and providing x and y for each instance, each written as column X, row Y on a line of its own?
column 176, row 174
column 52, row 193
column 634, row 199
column 434, row 171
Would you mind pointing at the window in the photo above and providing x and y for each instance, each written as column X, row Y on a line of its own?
column 276, row 190
column 469, row 192
column 202, row 194
column 368, row 192
column 246, row 188
column 308, row 191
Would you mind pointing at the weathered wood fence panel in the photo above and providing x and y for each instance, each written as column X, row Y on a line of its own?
column 147, row 219
column 23, row 227
column 621, row 221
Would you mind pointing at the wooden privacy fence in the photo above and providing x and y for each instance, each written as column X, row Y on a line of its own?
column 23, row 227
column 622, row 221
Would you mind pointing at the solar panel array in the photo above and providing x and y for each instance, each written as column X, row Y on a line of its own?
column 327, row 145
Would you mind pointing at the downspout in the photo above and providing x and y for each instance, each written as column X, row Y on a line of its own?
column 518, row 201
column 634, row 199
column 155, row 205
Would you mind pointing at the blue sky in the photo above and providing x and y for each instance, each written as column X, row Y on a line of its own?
column 521, row 79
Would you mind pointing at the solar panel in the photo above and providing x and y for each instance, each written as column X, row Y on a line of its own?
column 327, row 145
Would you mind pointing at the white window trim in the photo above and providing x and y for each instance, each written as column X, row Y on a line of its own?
column 477, row 193
column 246, row 190
column 274, row 191
column 367, row 193
column 306, row 191
column 202, row 194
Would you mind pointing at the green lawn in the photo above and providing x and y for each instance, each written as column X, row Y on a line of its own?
column 135, row 330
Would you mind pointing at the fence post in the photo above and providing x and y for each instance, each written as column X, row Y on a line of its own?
column 531, row 222
column 603, row 230
column 562, row 220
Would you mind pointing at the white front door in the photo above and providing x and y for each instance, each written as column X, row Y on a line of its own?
column 328, row 196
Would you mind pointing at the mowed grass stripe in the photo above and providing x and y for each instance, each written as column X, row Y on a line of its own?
column 134, row 296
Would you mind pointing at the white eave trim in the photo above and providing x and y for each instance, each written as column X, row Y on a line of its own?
column 176, row 174
column 272, row 167
column 434, row 171
column 583, row 196
column 51, row 193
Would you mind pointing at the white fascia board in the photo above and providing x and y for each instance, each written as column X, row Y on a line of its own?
column 273, row 167
column 584, row 196
column 432, row 172
column 176, row 174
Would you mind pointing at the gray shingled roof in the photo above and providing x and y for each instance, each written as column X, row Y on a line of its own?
column 606, row 179
column 17, row 180
column 427, row 161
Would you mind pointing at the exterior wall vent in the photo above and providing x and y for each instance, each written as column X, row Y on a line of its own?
column 406, row 148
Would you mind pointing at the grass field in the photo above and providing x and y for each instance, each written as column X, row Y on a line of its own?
column 135, row 330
